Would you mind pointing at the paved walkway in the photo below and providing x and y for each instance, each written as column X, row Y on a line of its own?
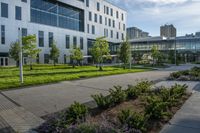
column 22, row 109
column 187, row 119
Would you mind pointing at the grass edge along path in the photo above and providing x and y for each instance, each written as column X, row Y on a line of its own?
column 9, row 77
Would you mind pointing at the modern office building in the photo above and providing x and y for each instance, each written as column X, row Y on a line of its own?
column 168, row 31
column 187, row 47
column 134, row 32
column 70, row 23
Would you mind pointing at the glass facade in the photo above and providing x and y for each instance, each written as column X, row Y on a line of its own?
column 58, row 14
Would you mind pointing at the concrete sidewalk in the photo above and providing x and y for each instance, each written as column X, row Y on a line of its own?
column 187, row 119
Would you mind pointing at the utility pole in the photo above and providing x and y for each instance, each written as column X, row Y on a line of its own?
column 20, row 56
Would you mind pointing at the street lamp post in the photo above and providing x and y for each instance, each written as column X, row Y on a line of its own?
column 20, row 57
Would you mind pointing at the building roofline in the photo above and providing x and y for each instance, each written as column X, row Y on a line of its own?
column 116, row 5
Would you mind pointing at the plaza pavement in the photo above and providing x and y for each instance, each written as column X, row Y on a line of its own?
column 42, row 100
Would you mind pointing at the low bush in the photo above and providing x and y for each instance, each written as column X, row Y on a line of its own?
column 132, row 92
column 144, row 86
column 102, row 101
column 155, row 108
column 117, row 95
column 76, row 113
column 133, row 120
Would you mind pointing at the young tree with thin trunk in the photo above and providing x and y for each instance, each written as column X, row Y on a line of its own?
column 124, row 53
column 76, row 55
column 30, row 48
column 100, row 51
column 54, row 53
column 14, row 52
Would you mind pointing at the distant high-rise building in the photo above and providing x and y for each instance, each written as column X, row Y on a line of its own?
column 168, row 31
column 197, row 34
column 134, row 32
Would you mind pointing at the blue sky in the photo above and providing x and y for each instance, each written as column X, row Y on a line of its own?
column 150, row 14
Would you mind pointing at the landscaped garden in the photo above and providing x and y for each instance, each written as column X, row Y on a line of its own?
column 41, row 74
column 135, row 109
column 186, row 75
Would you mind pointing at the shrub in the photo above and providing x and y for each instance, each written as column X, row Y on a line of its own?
column 101, row 101
column 75, row 113
column 133, row 120
column 156, row 108
column 178, row 90
column 132, row 92
column 117, row 95
column 144, row 86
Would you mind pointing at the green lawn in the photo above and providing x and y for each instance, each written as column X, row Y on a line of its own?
column 41, row 74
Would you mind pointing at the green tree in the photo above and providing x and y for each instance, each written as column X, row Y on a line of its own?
column 54, row 53
column 14, row 52
column 124, row 53
column 100, row 51
column 76, row 55
column 156, row 55
column 30, row 48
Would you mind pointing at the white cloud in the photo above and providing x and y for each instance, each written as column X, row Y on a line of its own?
column 150, row 14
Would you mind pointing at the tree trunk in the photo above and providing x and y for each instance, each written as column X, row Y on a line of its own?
column 17, row 63
column 100, row 67
column 124, row 66
column 54, row 62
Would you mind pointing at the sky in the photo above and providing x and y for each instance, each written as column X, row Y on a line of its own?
column 149, row 15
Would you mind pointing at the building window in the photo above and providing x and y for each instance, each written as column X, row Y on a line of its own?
column 119, row 25
column 106, row 32
column 4, row 10
column 122, row 16
column 75, row 42
column 107, row 10
column 105, row 21
column 88, row 28
column 122, row 36
column 81, row 43
column 124, row 27
column 90, row 16
column 24, row 32
column 24, row 1
column 50, row 39
column 87, row 3
column 113, row 23
column 109, row 22
column 3, row 34
column 100, row 19
column 117, row 14
column 93, row 29
column 111, row 12
column 95, row 18
column 98, row 6
column 104, row 9
column 18, row 13
column 67, row 42
column 117, row 35
column 111, row 33
column 41, row 39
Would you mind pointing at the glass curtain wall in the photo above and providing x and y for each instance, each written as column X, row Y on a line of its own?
column 58, row 14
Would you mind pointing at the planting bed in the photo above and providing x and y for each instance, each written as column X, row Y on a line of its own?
column 137, row 109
